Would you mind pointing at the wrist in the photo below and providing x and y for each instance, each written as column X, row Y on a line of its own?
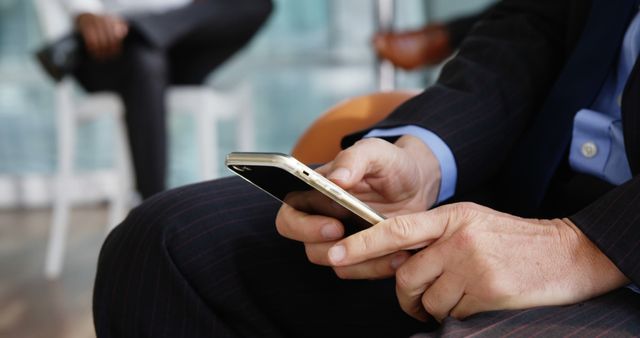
column 596, row 273
column 427, row 166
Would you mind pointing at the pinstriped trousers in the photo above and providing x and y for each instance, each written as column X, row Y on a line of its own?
column 206, row 261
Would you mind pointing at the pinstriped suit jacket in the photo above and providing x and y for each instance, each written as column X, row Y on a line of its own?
column 505, row 106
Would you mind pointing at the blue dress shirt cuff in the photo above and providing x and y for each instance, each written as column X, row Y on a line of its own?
column 442, row 152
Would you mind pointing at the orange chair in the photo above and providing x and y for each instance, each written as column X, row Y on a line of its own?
column 320, row 143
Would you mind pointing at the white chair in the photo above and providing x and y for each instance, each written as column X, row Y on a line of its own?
column 384, row 17
column 206, row 105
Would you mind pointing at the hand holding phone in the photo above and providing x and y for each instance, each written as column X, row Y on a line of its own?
column 394, row 179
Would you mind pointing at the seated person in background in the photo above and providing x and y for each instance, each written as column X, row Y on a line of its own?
column 537, row 118
column 427, row 46
column 137, row 48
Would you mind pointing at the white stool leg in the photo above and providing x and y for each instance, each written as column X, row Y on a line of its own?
column 385, row 17
column 124, row 180
column 66, row 129
column 245, row 133
column 207, row 137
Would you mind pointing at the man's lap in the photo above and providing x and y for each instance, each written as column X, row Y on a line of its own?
column 616, row 314
column 205, row 260
column 211, row 251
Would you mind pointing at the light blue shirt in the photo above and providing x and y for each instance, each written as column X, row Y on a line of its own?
column 597, row 144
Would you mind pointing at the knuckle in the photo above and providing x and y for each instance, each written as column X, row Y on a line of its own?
column 346, row 153
column 406, row 308
column 404, row 279
column 429, row 303
column 367, row 242
column 465, row 209
column 401, row 229
column 378, row 141
column 365, row 141
column 342, row 272
column 457, row 315
column 371, row 142
column 465, row 239
column 344, row 157
column 403, row 301
column 382, row 270
column 312, row 256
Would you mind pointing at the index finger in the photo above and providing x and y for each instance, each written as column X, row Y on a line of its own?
column 398, row 233
column 300, row 226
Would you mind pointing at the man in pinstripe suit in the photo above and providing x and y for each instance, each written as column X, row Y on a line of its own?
column 538, row 116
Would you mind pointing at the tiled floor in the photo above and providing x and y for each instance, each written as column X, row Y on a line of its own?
column 31, row 306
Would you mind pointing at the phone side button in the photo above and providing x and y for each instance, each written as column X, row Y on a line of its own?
column 335, row 192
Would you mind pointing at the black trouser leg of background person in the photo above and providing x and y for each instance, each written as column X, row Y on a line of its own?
column 218, row 19
column 139, row 76
column 205, row 261
column 181, row 46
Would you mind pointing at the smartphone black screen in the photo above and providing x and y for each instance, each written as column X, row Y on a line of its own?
column 291, row 190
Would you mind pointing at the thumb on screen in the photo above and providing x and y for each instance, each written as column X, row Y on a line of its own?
column 365, row 157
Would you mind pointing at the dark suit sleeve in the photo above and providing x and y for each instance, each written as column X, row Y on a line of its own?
column 613, row 224
column 459, row 27
column 487, row 93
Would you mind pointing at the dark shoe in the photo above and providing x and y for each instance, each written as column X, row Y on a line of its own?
column 61, row 57
column 409, row 50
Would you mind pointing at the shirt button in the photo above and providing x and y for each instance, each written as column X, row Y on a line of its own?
column 589, row 149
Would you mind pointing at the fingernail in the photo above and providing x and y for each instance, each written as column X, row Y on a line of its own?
column 330, row 231
column 397, row 261
column 337, row 253
column 340, row 174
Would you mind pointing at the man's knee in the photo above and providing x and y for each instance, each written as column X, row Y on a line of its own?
column 263, row 9
column 253, row 13
column 145, row 226
column 157, row 218
column 141, row 59
column 169, row 227
column 137, row 266
column 172, row 218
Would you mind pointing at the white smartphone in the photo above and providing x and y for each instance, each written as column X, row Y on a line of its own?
column 292, row 182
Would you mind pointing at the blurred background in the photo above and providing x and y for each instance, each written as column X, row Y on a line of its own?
column 308, row 56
